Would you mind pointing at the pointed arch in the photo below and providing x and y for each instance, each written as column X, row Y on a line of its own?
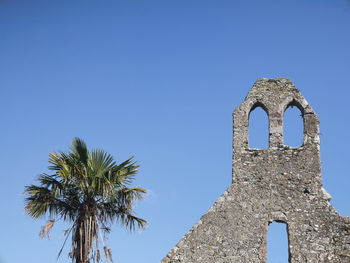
column 258, row 127
column 293, row 125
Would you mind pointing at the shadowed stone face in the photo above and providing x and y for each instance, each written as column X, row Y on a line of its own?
column 279, row 183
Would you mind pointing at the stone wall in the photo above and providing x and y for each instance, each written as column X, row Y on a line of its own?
column 280, row 184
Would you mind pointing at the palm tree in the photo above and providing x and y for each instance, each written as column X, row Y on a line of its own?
column 90, row 190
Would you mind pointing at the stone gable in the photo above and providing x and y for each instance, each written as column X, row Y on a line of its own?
column 280, row 183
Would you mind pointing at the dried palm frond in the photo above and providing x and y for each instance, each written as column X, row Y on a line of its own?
column 45, row 230
column 108, row 254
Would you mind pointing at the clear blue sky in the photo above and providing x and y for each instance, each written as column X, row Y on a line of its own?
column 158, row 80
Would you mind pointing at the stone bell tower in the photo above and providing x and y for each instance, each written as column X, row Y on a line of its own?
column 280, row 183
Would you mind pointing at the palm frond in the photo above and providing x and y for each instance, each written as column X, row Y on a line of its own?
column 78, row 146
column 130, row 221
column 136, row 192
column 42, row 200
column 38, row 201
column 119, row 208
column 59, row 163
column 100, row 163
column 124, row 173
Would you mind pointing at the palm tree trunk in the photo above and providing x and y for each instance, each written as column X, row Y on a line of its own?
column 84, row 234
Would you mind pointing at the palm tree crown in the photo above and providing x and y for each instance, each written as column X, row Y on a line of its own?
column 89, row 189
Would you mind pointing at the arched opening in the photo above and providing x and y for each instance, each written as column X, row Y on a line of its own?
column 258, row 128
column 277, row 243
column 293, row 126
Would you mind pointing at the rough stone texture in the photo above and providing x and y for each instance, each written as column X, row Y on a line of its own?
column 280, row 184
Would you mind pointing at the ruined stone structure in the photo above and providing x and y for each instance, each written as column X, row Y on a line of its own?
column 280, row 184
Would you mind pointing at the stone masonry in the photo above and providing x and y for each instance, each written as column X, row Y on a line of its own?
column 280, row 183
